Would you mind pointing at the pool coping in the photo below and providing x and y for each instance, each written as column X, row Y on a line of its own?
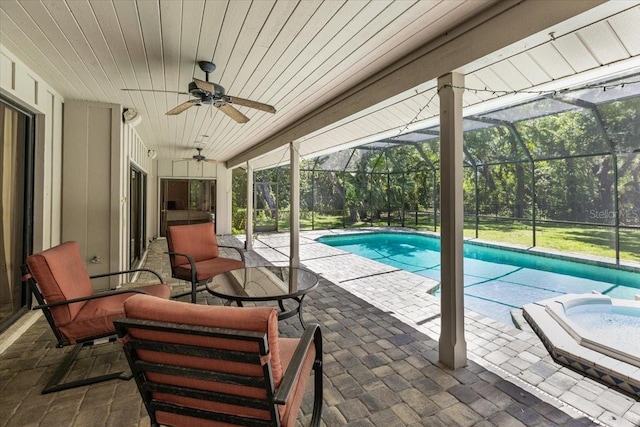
column 564, row 349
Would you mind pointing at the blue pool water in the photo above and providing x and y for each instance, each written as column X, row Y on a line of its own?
column 495, row 280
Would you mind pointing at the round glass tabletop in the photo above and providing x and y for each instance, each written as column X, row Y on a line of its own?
column 267, row 283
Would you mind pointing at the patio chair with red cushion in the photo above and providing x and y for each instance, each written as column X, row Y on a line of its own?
column 198, row 365
column 195, row 255
column 78, row 316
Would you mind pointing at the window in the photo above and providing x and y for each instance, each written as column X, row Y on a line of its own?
column 186, row 201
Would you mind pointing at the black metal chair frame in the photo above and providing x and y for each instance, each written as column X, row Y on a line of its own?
column 196, row 286
column 275, row 397
column 54, row 382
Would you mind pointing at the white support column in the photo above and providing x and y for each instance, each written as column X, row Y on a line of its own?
column 294, row 164
column 248, row 244
column 453, row 347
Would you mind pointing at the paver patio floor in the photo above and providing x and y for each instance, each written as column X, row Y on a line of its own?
column 380, row 362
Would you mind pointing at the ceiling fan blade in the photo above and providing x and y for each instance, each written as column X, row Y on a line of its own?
column 215, row 162
column 206, row 86
column 155, row 90
column 232, row 112
column 252, row 104
column 180, row 108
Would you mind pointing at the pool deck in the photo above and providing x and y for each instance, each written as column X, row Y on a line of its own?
column 380, row 337
column 516, row 355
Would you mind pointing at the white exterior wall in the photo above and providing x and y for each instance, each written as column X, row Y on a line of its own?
column 20, row 84
column 91, row 200
column 189, row 169
column 95, row 205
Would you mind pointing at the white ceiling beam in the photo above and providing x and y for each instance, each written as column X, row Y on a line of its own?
column 503, row 24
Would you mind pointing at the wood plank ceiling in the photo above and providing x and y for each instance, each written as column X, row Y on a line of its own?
column 294, row 55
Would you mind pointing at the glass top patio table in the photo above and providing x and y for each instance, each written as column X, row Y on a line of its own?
column 266, row 283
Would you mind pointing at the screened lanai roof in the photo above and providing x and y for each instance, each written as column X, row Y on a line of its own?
column 518, row 132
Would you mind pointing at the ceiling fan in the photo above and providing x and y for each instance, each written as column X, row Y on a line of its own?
column 208, row 93
column 200, row 158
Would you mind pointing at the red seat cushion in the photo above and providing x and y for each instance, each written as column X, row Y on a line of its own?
column 208, row 268
column 97, row 315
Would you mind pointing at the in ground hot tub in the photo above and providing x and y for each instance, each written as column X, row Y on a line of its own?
column 592, row 333
column 611, row 327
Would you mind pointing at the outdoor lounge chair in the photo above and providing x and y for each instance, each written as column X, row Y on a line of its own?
column 195, row 256
column 199, row 365
column 78, row 316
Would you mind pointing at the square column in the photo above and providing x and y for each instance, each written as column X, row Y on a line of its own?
column 248, row 243
column 294, row 165
column 453, row 347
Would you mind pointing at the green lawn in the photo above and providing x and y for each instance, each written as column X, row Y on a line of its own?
column 595, row 241
column 566, row 238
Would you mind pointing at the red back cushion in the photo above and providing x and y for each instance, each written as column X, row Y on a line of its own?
column 197, row 240
column 260, row 319
column 61, row 275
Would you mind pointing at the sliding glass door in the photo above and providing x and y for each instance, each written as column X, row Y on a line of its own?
column 186, row 201
column 16, row 206
column 137, row 215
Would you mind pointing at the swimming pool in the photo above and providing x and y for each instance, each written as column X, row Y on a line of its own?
column 496, row 280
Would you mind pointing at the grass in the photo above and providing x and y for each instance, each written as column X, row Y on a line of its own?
column 586, row 240
column 567, row 238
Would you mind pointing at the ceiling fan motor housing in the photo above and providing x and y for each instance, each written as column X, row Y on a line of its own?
column 209, row 93
column 199, row 157
column 204, row 95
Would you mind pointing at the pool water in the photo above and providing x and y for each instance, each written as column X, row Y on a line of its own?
column 496, row 281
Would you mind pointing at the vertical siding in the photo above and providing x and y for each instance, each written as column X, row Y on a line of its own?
column 23, row 86
column 92, row 197
column 47, row 172
column 56, row 173
column 95, row 197
column 92, row 213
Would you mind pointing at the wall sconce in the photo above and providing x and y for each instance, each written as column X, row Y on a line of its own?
column 131, row 117
column 152, row 153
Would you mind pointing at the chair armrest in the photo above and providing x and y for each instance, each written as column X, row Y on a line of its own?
column 192, row 263
column 237, row 249
column 127, row 272
column 90, row 297
column 311, row 334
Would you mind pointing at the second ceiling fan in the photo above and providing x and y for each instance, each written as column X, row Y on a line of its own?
column 201, row 158
column 208, row 93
